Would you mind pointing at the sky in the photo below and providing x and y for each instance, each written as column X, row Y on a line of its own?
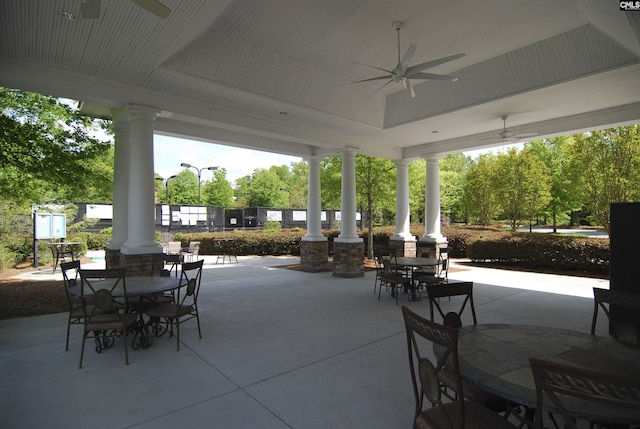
column 170, row 152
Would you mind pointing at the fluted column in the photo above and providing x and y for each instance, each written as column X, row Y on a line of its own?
column 141, row 231
column 348, row 202
column 432, row 203
column 120, row 219
column 314, row 210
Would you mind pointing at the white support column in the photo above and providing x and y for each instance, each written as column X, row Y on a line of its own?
column 120, row 219
column 432, row 203
column 403, row 214
column 314, row 210
column 141, row 231
column 348, row 210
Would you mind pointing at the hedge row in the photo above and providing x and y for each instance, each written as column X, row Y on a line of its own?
column 480, row 244
column 542, row 251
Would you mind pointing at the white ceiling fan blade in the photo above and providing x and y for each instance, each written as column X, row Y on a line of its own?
column 155, row 7
column 408, row 55
column 407, row 84
column 429, row 64
column 387, row 77
column 431, row 76
column 373, row 67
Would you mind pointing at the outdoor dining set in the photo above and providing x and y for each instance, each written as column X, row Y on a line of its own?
column 110, row 304
column 507, row 375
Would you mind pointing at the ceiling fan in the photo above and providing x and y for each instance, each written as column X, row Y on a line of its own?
column 404, row 71
column 508, row 135
column 90, row 9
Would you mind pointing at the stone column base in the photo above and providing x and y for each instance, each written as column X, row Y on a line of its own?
column 432, row 250
column 314, row 256
column 348, row 259
column 136, row 265
column 403, row 248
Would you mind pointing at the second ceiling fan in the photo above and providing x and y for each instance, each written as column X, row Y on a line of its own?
column 403, row 71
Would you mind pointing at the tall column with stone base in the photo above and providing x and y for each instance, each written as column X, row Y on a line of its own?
column 432, row 240
column 348, row 248
column 141, row 244
column 314, row 245
column 120, row 219
column 403, row 242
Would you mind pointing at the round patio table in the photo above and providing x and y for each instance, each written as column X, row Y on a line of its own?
column 495, row 357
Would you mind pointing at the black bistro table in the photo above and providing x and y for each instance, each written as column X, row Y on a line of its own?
column 495, row 357
column 140, row 287
column 409, row 265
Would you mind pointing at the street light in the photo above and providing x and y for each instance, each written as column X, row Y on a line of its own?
column 199, row 170
column 166, row 186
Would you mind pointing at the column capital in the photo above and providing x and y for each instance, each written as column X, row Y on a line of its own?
column 401, row 162
column 434, row 157
column 138, row 111
column 350, row 151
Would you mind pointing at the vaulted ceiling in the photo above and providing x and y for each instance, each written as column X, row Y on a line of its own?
column 277, row 75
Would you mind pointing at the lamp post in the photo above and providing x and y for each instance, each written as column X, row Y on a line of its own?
column 166, row 186
column 199, row 170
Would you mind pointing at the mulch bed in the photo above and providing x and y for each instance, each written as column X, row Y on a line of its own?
column 21, row 298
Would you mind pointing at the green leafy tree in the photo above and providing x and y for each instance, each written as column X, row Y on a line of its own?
column 417, row 189
column 218, row 192
column 331, row 182
column 48, row 152
column 298, row 186
column 479, row 196
column 183, row 189
column 553, row 152
column 375, row 190
column 522, row 185
column 267, row 189
column 241, row 191
column 453, row 169
column 605, row 168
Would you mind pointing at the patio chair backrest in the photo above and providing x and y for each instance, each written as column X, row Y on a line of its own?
column 622, row 332
column 448, row 290
column 558, row 382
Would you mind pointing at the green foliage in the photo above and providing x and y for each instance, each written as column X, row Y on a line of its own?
column 544, row 251
column 375, row 184
column 480, row 200
column 218, row 192
column 522, row 185
column 48, row 153
column 605, row 168
column 183, row 189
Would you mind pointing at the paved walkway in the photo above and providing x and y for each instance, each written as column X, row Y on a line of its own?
column 280, row 349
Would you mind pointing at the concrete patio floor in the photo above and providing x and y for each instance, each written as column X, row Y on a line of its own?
column 279, row 349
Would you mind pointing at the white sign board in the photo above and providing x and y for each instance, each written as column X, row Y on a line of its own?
column 50, row 226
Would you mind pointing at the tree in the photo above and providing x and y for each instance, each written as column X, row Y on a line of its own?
column 522, row 185
column 605, row 168
column 218, row 192
column 331, row 182
column 48, row 154
column 417, row 189
column 479, row 196
column 267, row 189
column 553, row 153
column 298, row 186
column 375, row 185
column 453, row 169
column 183, row 189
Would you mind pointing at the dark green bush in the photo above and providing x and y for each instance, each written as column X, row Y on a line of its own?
column 544, row 251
